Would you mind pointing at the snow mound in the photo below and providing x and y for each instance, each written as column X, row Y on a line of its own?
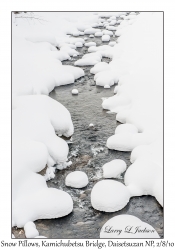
column 76, row 179
column 112, row 44
column 114, row 168
column 107, row 32
column 91, row 125
column 30, row 230
column 75, row 91
column 109, row 196
column 126, row 128
column 90, row 44
column 101, row 66
column 97, row 34
column 78, row 44
column 106, row 86
column 91, row 36
column 106, row 77
column 127, row 226
column 89, row 59
column 76, row 33
column 144, row 177
column 105, row 38
column 91, row 31
column 128, row 141
column 111, row 28
column 49, row 203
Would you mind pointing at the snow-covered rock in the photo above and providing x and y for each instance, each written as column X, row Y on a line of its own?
column 126, row 128
column 114, row 168
column 76, row 33
column 78, row 44
column 30, row 230
column 127, row 226
column 112, row 44
column 90, row 44
column 42, row 203
column 103, row 78
column 111, row 27
column 145, row 177
column 75, row 91
column 105, row 38
column 101, row 66
column 91, row 36
column 107, row 32
column 91, row 125
column 107, row 86
column 109, row 196
column 97, row 34
column 91, row 31
column 76, row 179
column 89, row 59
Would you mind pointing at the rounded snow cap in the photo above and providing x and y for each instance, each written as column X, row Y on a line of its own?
column 109, row 196
column 76, row 179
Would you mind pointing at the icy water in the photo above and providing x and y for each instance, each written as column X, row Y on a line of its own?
column 89, row 153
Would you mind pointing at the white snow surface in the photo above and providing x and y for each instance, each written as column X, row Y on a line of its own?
column 127, row 226
column 75, row 91
column 109, row 196
column 30, row 230
column 105, row 38
column 114, row 168
column 137, row 62
column 89, row 44
column 76, row 179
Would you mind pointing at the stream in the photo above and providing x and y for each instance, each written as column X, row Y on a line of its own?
column 88, row 153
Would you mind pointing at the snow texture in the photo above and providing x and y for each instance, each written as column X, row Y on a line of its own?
column 30, row 230
column 109, row 196
column 75, row 91
column 105, row 38
column 114, row 168
column 76, row 179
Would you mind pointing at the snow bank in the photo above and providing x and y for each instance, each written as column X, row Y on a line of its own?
column 109, row 196
column 36, row 120
column 30, row 230
column 140, row 73
column 145, row 177
column 76, row 179
column 127, row 226
column 114, row 168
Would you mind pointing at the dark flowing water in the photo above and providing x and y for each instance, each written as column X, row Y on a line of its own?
column 89, row 153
